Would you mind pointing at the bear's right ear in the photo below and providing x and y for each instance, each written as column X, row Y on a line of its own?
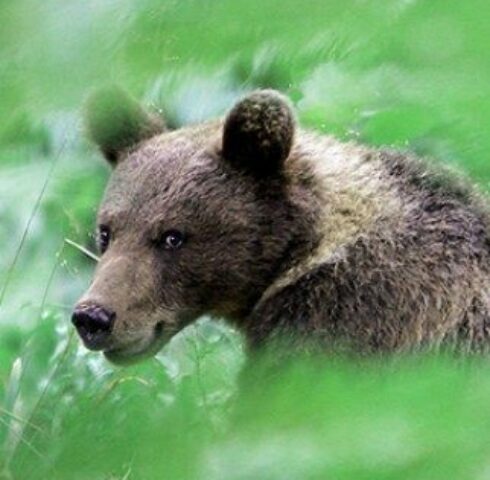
column 258, row 133
column 116, row 122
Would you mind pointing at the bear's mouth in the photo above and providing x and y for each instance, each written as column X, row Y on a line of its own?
column 139, row 349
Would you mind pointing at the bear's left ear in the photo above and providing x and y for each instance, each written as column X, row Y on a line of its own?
column 258, row 133
column 116, row 122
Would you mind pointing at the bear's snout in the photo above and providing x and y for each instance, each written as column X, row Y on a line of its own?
column 94, row 325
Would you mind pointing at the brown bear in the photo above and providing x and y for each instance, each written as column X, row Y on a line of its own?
column 284, row 232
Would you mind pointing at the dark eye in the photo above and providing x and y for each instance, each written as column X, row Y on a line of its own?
column 103, row 238
column 172, row 240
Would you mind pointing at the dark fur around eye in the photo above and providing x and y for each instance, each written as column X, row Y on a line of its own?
column 103, row 238
column 171, row 240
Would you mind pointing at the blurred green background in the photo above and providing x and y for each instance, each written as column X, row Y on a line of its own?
column 414, row 74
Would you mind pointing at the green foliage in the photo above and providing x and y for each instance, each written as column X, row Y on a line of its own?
column 409, row 73
column 66, row 414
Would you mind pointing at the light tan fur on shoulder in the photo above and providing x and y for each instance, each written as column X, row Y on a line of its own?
column 355, row 194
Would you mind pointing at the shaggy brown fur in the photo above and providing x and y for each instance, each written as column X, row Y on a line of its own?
column 287, row 234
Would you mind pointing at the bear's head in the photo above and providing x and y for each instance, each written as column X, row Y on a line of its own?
column 194, row 221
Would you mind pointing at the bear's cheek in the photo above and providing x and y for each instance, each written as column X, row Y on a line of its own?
column 203, row 282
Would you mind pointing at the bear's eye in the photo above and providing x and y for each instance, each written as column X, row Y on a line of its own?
column 172, row 240
column 103, row 238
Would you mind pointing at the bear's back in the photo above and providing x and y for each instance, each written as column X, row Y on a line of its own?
column 403, row 256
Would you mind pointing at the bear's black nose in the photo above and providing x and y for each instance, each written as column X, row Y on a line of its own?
column 94, row 325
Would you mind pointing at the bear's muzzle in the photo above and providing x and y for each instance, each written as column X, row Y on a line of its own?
column 94, row 325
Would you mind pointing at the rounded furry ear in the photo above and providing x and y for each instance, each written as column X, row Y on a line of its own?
column 116, row 122
column 258, row 132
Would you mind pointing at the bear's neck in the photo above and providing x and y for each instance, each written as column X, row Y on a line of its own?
column 340, row 191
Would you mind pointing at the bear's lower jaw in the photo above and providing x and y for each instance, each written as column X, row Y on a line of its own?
column 138, row 350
